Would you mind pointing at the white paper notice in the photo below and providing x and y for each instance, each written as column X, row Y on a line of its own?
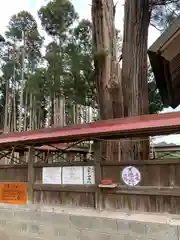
column 52, row 175
column 89, row 175
column 72, row 175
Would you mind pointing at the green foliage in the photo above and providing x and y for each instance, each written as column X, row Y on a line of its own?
column 22, row 33
column 23, row 27
column 79, row 56
column 57, row 16
column 21, row 22
column 100, row 55
column 66, row 69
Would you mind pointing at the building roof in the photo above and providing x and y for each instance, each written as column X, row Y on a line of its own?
column 164, row 55
column 139, row 126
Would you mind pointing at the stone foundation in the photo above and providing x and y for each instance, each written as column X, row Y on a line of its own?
column 32, row 222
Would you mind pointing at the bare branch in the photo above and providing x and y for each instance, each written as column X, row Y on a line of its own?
column 156, row 27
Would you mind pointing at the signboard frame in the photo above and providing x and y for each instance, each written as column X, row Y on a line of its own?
column 75, row 175
column 13, row 192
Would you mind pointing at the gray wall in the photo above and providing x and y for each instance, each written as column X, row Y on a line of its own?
column 48, row 223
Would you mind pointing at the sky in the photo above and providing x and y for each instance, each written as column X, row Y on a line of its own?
column 83, row 7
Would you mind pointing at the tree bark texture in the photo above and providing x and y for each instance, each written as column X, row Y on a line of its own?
column 106, row 68
column 134, row 68
column 6, row 123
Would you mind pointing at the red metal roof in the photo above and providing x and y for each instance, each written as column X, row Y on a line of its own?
column 139, row 126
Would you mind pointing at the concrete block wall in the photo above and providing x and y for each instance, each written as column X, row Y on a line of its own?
column 48, row 223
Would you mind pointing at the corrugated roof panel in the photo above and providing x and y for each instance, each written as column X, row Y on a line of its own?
column 139, row 126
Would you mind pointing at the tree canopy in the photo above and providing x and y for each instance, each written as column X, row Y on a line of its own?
column 60, row 72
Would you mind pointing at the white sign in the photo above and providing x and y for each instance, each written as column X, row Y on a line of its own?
column 72, row 175
column 89, row 175
column 51, row 175
column 131, row 176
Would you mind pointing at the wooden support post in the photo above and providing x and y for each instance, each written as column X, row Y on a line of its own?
column 30, row 174
column 98, row 175
column 22, row 157
column 46, row 154
column 11, row 157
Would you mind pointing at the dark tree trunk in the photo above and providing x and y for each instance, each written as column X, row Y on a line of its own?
column 106, row 68
column 103, row 34
column 134, row 69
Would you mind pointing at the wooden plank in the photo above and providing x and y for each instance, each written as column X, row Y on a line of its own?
column 139, row 163
column 63, row 198
column 144, row 190
column 65, row 188
column 14, row 166
column 65, row 164
column 40, row 165
column 30, row 174
column 114, row 185
column 13, row 192
column 98, row 175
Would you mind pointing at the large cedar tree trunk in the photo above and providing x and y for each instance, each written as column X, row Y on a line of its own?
column 134, row 69
column 106, row 68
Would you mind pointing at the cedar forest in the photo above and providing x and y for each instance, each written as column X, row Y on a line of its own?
column 38, row 79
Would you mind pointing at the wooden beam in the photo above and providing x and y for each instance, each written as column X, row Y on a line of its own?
column 64, row 164
column 65, row 188
column 98, row 175
column 144, row 190
column 102, row 163
column 30, row 174
column 142, row 163
column 58, row 164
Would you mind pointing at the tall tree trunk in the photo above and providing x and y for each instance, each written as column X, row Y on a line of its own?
column 108, row 83
column 14, row 109
column 22, row 85
column 59, row 111
column 34, row 114
column 10, row 114
column 134, row 68
column 14, row 96
column 52, row 111
column 25, row 110
column 14, row 88
column 31, row 112
column 6, row 125
column 103, row 25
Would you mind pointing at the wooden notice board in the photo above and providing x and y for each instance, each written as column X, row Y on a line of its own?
column 13, row 192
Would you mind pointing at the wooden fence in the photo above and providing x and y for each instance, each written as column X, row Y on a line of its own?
column 158, row 191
